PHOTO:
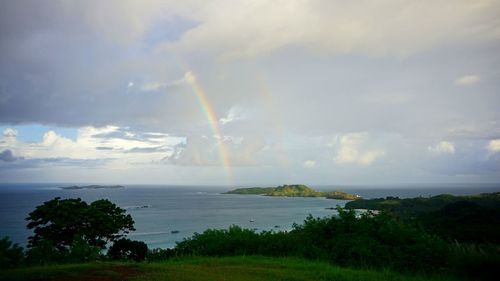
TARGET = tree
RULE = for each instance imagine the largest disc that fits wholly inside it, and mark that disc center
(128, 249)
(11, 255)
(62, 221)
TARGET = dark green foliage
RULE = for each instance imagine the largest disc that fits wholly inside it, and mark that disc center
(221, 242)
(470, 219)
(410, 207)
(476, 262)
(125, 249)
(11, 255)
(45, 252)
(370, 240)
(60, 221)
(70, 230)
(81, 251)
(464, 221)
(159, 254)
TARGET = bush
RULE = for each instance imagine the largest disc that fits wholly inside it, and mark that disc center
(369, 240)
(159, 254)
(45, 252)
(478, 262)
(128, 249)
(221, 242)
(11, 255)
(81, 251)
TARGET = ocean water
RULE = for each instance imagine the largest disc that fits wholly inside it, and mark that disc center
(190, 209)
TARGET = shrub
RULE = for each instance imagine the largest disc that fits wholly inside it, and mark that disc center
(11, 255)
(159, 254)
(128, 249)
(369, 240)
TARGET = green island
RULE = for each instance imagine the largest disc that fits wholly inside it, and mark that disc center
(294, 190)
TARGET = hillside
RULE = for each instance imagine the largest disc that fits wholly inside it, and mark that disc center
(295, 190)
(466, 219)
(408, 207)
(250, 268)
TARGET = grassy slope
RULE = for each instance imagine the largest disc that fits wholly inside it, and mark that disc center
(207, 269)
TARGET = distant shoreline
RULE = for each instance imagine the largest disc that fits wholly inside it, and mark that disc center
(76, 187)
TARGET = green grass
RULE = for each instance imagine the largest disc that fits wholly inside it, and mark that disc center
(208, 269)
(84, 271)
(262, 269)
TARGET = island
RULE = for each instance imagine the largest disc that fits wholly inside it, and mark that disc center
(74, 187)
(294, 190)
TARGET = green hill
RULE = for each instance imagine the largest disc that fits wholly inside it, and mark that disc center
(294, 190)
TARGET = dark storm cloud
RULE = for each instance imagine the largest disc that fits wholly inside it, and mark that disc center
(7, 156)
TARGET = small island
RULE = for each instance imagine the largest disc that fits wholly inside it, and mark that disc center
(295, 190)
(75, 187)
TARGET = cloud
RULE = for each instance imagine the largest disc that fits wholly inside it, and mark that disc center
(154, 86)
(494, 146)
(282, 77)
(351, 150)
(233, 114)
(208, 151)
(10, 133)
(467, 80)
(443, 147)
(115, 146)
(7, 156)
(309, 164)
(390, 28)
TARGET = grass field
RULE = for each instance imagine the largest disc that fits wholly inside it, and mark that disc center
(208, 269)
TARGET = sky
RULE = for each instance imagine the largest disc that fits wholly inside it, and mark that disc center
(235, 92)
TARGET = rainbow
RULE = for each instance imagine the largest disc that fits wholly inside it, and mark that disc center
(212, 120)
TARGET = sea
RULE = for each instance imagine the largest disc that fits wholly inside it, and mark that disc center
(166, 214)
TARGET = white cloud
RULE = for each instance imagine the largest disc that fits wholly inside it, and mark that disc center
(10, 133)
(494, 145)
(352, 149)
(467, 80)
(94, 143)
(443, 147)
(156, 85)
(233, 114)
(309, 164)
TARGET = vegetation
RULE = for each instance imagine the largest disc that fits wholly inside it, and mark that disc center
(72, 229)
(369, 241)
(244, 268)
(296, 190)
(11, 255)
(125, 249)
(470, 219)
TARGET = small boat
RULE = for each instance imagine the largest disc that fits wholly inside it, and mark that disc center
(252, 220)
(174, 231)
(276, 226)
